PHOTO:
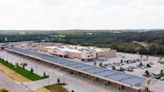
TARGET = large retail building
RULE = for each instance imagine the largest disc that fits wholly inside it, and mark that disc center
(80, 52)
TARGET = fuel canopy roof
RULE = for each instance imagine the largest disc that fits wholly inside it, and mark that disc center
(98, 71)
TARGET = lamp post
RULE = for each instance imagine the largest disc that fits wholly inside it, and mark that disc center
(35, 64)
(63, 79)
(48, 76)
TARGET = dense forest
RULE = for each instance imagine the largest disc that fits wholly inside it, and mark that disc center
(149, 42)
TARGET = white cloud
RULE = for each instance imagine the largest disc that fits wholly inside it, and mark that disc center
(81, 14)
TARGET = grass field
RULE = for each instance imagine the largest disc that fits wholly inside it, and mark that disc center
(21, 71)
(56, 88)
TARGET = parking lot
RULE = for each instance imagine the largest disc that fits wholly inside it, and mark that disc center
(137, 65)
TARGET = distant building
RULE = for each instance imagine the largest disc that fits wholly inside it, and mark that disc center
(69, 51)
(80, 52)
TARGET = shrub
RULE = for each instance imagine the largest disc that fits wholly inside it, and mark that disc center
(4, 90)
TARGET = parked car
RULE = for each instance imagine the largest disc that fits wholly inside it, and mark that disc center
(162, 78)
(151, 63)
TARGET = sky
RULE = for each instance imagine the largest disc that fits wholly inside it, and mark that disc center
(81, 14)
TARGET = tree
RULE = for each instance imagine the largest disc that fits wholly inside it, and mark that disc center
(32, 70)
(113, 68)
(148, 65)
(161, 72)
(24, 65)
(147, 73)
(44, 74)
(141, 64)
(121, 61)
(101, 64)
(95, 63)
(58, 81)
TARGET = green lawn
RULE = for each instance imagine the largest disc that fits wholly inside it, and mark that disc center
(56, 88)
(161, 75)
(22, 71)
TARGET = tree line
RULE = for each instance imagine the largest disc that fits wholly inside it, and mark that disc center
(121, 41)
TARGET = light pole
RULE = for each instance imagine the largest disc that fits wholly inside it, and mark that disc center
(63, 79)
(48, 76)
(20, 61)
(36, 67)
(35, 64)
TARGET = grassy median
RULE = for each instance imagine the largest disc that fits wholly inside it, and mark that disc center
(29, 75)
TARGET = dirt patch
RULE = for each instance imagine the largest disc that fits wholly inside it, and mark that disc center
(42, 90)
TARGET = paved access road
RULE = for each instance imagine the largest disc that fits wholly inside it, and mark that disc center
(11, 85)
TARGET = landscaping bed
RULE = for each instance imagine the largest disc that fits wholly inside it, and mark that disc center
(21, 71)
(56, 88)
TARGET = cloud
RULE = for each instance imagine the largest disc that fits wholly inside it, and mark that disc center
(81, 14)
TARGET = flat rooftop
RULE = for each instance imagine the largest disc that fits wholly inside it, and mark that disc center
(78, 49)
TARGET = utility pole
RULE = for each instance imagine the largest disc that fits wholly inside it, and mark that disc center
(36, 65)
